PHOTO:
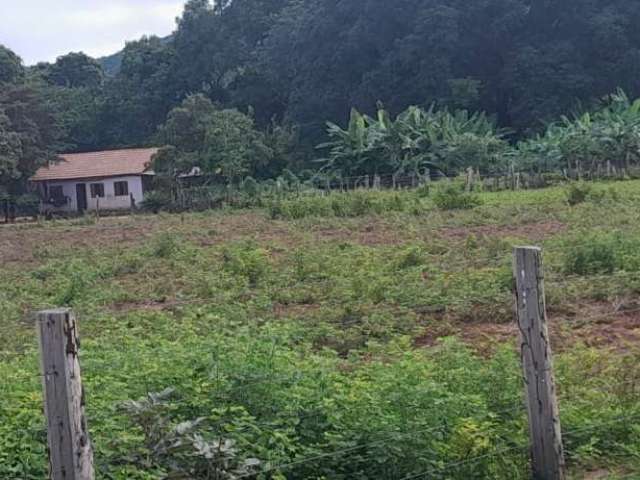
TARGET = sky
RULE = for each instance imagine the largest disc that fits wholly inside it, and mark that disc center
(42, 30)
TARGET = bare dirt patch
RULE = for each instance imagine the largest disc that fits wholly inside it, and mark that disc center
(599, 325)
(246, 225)
(25, 244)
(531, 231)
(369, 232)
(148, 305)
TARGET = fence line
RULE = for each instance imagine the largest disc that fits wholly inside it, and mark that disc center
(390, 436)
(453, 465)
(394, 436)
(12, 208)
(450, 466)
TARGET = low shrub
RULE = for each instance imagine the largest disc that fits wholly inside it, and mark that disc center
(602, 253)
(246, 260)
(165, 245)
(157, 201)
(578, 192)
(451, 196)
(593, 255)
(412, 256)
(357, 203)
(581, 192)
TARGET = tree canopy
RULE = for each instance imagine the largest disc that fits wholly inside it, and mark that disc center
(289, 66)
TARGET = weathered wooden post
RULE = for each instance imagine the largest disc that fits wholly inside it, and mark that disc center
(547, 456)
(470, 173)
(70, 451)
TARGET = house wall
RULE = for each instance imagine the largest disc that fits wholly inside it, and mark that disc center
(108, 202)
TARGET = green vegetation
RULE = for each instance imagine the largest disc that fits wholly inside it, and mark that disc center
(414, 142)
(295, 332)
(244, 88)
(354, 335)
(353, 204)
(451, 196)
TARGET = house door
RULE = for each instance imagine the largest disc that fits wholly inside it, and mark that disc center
(81, 196)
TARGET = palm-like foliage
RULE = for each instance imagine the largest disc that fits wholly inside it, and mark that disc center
(352, 150)
(418, 139)
(588, 143)
(415, 140)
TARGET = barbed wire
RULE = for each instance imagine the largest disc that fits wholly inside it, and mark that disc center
(631, 476)
(366, 323)
(394, 435)
(603, 316)
(594, 277)
(391, 436)
(591, 428)
(351, 449)
(453, 465)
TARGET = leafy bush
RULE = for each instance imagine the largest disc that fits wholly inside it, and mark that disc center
(411, 257)
(165, 245)
(186, 449)
(72, 289)
(356, 203)
(593, 255)
(578, 192)
(28, 205)
(451, 196)
(157, 201)
(247, 260)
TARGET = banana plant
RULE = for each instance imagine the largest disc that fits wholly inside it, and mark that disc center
(352, 150)
(416, 140)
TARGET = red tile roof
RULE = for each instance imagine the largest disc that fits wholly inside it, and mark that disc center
(98, 164)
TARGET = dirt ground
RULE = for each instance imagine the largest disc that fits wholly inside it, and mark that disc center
(598, 324)
(532, 231)
(24, 242)
(595, 324)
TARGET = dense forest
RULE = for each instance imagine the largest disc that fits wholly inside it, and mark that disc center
(246, 87)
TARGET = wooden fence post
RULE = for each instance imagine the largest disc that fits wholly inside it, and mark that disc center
(470, 173)
(547, 456)
(70, 451)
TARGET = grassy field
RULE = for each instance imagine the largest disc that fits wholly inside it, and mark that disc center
(359, 336)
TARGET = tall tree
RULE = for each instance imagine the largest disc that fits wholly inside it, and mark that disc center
(75, 70)
(137, 100)
(221, 142)
(11, 69)
(29, 135)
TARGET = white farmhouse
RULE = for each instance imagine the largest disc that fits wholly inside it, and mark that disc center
(109, 180)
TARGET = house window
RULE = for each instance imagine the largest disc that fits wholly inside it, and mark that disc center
(121, 189)
(97, 190)
(56, 193)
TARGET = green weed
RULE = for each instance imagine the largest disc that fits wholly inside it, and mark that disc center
(322, 332)
(246, 260)
(451, 196)
(165, 245)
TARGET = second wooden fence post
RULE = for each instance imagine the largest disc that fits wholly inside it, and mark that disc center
(70, 452)
(547, 456)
